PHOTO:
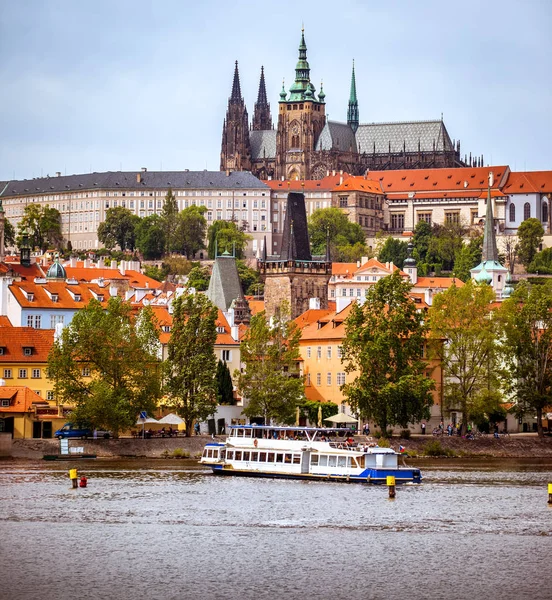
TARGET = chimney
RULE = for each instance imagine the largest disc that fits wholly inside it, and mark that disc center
(144, 169)
(112, 290)
(58, 173)
(314, 303)
(138, 177)
(86, 263)
(101, 263)
(235, 333)
(73, 262)
(341, 180)
(333, 173)
(113, 264)
(122, 267)
(227, 172)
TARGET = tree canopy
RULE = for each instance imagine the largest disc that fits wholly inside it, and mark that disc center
(118, 228)
(106, 365)
(150, 237)
(225, 387)
(333, 224)
(530, 234)
(463, 332)
(394, 251)
(270, 381)
(224, 236)
(191, 365)
(43, 226)
(169, 221)
(190, 232)
(383, 347)
(526, 319)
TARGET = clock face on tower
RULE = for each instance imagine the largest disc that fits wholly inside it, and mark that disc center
(295, 129)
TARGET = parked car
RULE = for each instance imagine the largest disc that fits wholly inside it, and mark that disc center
(71, 430)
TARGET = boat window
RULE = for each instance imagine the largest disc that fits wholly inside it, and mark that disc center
(255, 456)
(271, 457)
(248, 433)
(287, 458)
(332, 462)
(238, 455)
(323, 460)
(230, 454)
(262, 456)
(296, 459)
(279, 457)
(314, 460)
(246, 456)
(342, 461)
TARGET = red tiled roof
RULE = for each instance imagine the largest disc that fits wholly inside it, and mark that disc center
(41, 299)
(359, 184)
(15, 339)
(325, 184)
(5, 322)
(438, 282)
(529, 182)
(343, 268)
(135, 278)
(21, 399)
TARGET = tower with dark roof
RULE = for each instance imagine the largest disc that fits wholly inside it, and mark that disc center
(295, 276)
(352, 111)
(262, 119)
(235, 154)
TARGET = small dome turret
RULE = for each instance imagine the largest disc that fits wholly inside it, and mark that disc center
(410, 262)
(56, 271)
(508, 289)
(483, 276)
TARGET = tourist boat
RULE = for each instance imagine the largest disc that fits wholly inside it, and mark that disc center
(304, 453)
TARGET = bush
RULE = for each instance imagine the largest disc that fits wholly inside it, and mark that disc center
(405, 434)
(180, 453)
(434, 448)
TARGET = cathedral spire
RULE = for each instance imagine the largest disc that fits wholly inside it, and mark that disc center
(490, 251)
(302, 88)
(352, 112)
(262, 119)
(236, 90)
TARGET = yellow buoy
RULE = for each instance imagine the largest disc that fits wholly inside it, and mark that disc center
(73, 476)
(550, 493)
(391, 485)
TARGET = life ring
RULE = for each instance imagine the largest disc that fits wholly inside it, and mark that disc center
(255, 443)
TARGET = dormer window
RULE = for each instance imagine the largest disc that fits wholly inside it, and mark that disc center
(27, 351)
(55, 297)
(30, 296)
(5, 402)
(220, 329)
(100, 298)
(77, 297)
(2, 350)
(166, 328)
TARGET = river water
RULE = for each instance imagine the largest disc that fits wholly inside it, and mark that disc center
(169, 530)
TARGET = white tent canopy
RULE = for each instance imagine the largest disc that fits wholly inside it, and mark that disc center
(341, 418)
(171, 419)
(147, 421)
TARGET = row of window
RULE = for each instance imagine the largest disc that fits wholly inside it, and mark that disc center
(527, 212)
(340, 379)
(266, 457)
(36, 373)
(328, 351)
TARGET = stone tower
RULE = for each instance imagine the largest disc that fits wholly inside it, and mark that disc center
(294, 276)
(235, 154)
(301, 118)
(262, 119)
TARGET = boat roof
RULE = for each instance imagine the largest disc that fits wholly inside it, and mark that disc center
(290, 428)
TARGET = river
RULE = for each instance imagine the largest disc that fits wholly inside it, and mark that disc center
(169, 530)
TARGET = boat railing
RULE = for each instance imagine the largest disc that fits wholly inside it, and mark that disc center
(344, 445)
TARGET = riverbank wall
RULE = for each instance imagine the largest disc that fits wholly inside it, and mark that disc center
(514, 446)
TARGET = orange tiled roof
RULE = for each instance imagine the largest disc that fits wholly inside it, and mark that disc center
(325, 184)
(255, 306)
(11, 263)
(15, 339)
(21, 399)
(64, 291)
(529, 182)
(438, 282)
(359, 184)
(343, 268)
(5, 322)
(135, 278)
(311, 316)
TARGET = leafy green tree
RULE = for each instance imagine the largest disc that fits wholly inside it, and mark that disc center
(250, 278)
(446, 241)
(394, 251)
(150, 237)
(542, 262)
(169, 221)
(224, 236)
(176, 266)
(468, 257)
(526, 319)
(333, 224)
(383, 346)
(353, 253)
(198, 278)
(420, 240)
(190, 232)
(106, 365)
(313, 409)
(43, 225)
(270, 381)
(191, 365)
(9, 233)
(155, 272)
(463, 332)
(530, 234)
(225, 387)
(119, 228)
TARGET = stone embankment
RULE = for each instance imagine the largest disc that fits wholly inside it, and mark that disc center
(514, 446)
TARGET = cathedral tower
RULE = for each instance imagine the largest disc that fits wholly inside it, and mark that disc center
(235, 152)
(262, 119)
(301, 118)
(352, 112)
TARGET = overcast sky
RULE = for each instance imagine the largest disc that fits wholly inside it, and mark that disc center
(99, 85)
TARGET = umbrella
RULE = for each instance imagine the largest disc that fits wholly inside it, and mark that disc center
(146, 421)
(341, 418)
(171, 419)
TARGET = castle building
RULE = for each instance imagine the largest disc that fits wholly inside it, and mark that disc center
(306, 145)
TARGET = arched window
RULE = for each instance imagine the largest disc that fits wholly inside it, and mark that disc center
(545, 212)
(526, 211)
(512, 212)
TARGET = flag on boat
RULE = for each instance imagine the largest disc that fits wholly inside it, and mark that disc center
(401, 449)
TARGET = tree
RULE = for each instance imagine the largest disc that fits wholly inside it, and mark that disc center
(225, 387)
(43, 225)
(198, 278)
(420, 240)
(190, 232)
(9, 233)
(332, 224)
(394, 251)
(270, 381)
(106, 365)
(468, 257)
(169, 220)
(250, 279)
(530, 234)
(119, 228)
(225, 236)
(150, 237)
(463, 333)
(384, 345)
(446, 241)
(542, 262)
(526, 319)
(191, 365)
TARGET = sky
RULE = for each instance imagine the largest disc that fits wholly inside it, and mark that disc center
(109, 85)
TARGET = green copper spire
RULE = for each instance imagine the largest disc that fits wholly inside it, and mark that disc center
(283, 93)
(302, 88)
(490, 251)
(352, 112)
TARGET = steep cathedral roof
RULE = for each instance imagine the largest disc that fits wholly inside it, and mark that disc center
(337, 136)
(263, 144)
